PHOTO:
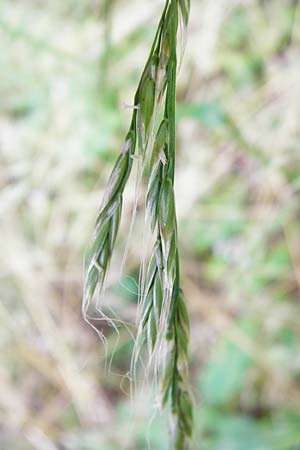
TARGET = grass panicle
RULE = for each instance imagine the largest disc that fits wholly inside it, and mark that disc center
(163, 322)
(148, 94)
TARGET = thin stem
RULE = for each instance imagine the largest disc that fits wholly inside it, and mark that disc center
(171, 94)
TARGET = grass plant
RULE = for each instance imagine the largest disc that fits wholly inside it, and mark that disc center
(163, 322)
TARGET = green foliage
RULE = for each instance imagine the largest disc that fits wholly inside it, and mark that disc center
(210, 114)
(224, 375)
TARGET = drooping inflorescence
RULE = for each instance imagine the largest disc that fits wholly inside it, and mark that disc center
(163, 322)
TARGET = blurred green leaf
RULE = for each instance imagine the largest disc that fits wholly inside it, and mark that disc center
(240, 433)
(224, 375)
(210, 114)
(127, 288)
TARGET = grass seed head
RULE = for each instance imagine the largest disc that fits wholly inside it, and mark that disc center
(163, 317)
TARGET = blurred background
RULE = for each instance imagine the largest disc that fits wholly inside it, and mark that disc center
(68, 70)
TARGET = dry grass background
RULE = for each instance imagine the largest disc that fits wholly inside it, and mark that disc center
(67, 70)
